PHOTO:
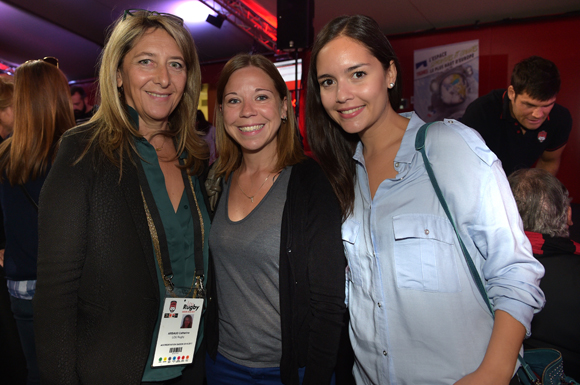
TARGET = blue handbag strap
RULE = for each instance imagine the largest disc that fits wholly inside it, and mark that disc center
(420, 146)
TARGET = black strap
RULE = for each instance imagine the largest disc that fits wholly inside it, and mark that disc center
(32, 202)
(167, 271)
(420, 146)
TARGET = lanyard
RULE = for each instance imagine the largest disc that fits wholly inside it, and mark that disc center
(159, 238)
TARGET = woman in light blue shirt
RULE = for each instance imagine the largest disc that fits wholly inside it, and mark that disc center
(416, 315)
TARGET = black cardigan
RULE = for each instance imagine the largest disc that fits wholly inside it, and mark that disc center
(312, 282)
(97, 295)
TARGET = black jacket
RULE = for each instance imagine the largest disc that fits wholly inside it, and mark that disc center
(556, 326)
(97, 296)
(312, 282)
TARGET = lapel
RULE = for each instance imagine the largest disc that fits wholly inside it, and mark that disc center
(130, 187)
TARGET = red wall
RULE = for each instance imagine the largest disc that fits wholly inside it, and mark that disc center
(501, 47)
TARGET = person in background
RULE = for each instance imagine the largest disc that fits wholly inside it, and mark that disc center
(416, 316)
(83, 110)
(12, 361)
(208, 134)
(6, 126)
(524, 124)
(544, 205)
(6, 110)
(123, 222)
(278, 302)
(42, 113)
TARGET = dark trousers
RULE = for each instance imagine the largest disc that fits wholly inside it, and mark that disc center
(12, 361)
(22, 310)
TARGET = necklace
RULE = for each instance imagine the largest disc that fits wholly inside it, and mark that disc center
(252, 197)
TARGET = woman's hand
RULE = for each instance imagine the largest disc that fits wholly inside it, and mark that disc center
(502, 352)
(480, 378)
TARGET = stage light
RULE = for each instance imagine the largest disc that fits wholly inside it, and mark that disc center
(192, 12)
(216, 21)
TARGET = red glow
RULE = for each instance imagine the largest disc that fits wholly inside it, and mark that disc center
(262, 12)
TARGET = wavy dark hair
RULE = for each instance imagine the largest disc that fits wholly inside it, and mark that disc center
(536, 76)
(331, 145)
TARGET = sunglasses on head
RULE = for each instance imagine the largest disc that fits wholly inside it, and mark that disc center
(47, 59)
(131, 12)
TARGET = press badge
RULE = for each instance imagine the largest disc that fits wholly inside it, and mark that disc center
(178, 331)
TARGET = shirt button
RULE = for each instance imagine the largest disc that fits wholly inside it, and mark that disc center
(186, 207)
(396, 164)
(379, 304)
(384, 353)
(426, 231)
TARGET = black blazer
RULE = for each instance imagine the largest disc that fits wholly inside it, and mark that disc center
(97, 294)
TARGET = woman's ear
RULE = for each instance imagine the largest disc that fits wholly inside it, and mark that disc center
(284, 111)
(119, 78)
(392, 73)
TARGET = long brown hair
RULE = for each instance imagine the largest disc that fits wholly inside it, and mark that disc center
(331, 145)
(42, 113)
(113, 130)
(288, 150)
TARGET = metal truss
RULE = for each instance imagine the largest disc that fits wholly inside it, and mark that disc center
(246, 19)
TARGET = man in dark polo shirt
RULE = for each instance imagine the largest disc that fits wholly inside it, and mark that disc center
(523, 124)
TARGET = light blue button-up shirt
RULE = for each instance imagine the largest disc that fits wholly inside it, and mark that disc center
(416, 316)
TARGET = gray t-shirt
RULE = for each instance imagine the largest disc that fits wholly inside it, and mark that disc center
(246, 256)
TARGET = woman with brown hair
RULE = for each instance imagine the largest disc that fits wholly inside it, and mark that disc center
(416, 315)
(123, 222)
(277, 308)
(42, 113)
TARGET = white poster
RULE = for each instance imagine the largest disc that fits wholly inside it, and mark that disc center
(446, 80)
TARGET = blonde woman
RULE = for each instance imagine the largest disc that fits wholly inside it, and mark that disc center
(123, 222)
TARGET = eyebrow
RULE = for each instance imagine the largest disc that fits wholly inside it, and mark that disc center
(349, 69)
(256, 90)
(151, 54)
(537, 105)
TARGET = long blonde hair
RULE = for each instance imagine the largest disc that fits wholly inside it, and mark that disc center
(113, 130)
(289, 150)
(42, 113)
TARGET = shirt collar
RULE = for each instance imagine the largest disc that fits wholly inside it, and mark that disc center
(506, 113)
(133, 117)
(407, 150)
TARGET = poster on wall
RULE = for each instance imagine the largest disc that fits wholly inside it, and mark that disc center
(446, 80)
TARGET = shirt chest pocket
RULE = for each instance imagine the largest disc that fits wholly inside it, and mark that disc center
(425, 255)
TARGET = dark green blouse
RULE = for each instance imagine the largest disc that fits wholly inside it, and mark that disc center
(180, 241)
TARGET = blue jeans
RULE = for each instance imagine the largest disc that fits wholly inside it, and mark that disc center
(225, 372)
(22, 310)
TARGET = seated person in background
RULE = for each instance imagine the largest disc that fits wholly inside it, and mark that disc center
(544, 206)
(523, 124)
(83, 110)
